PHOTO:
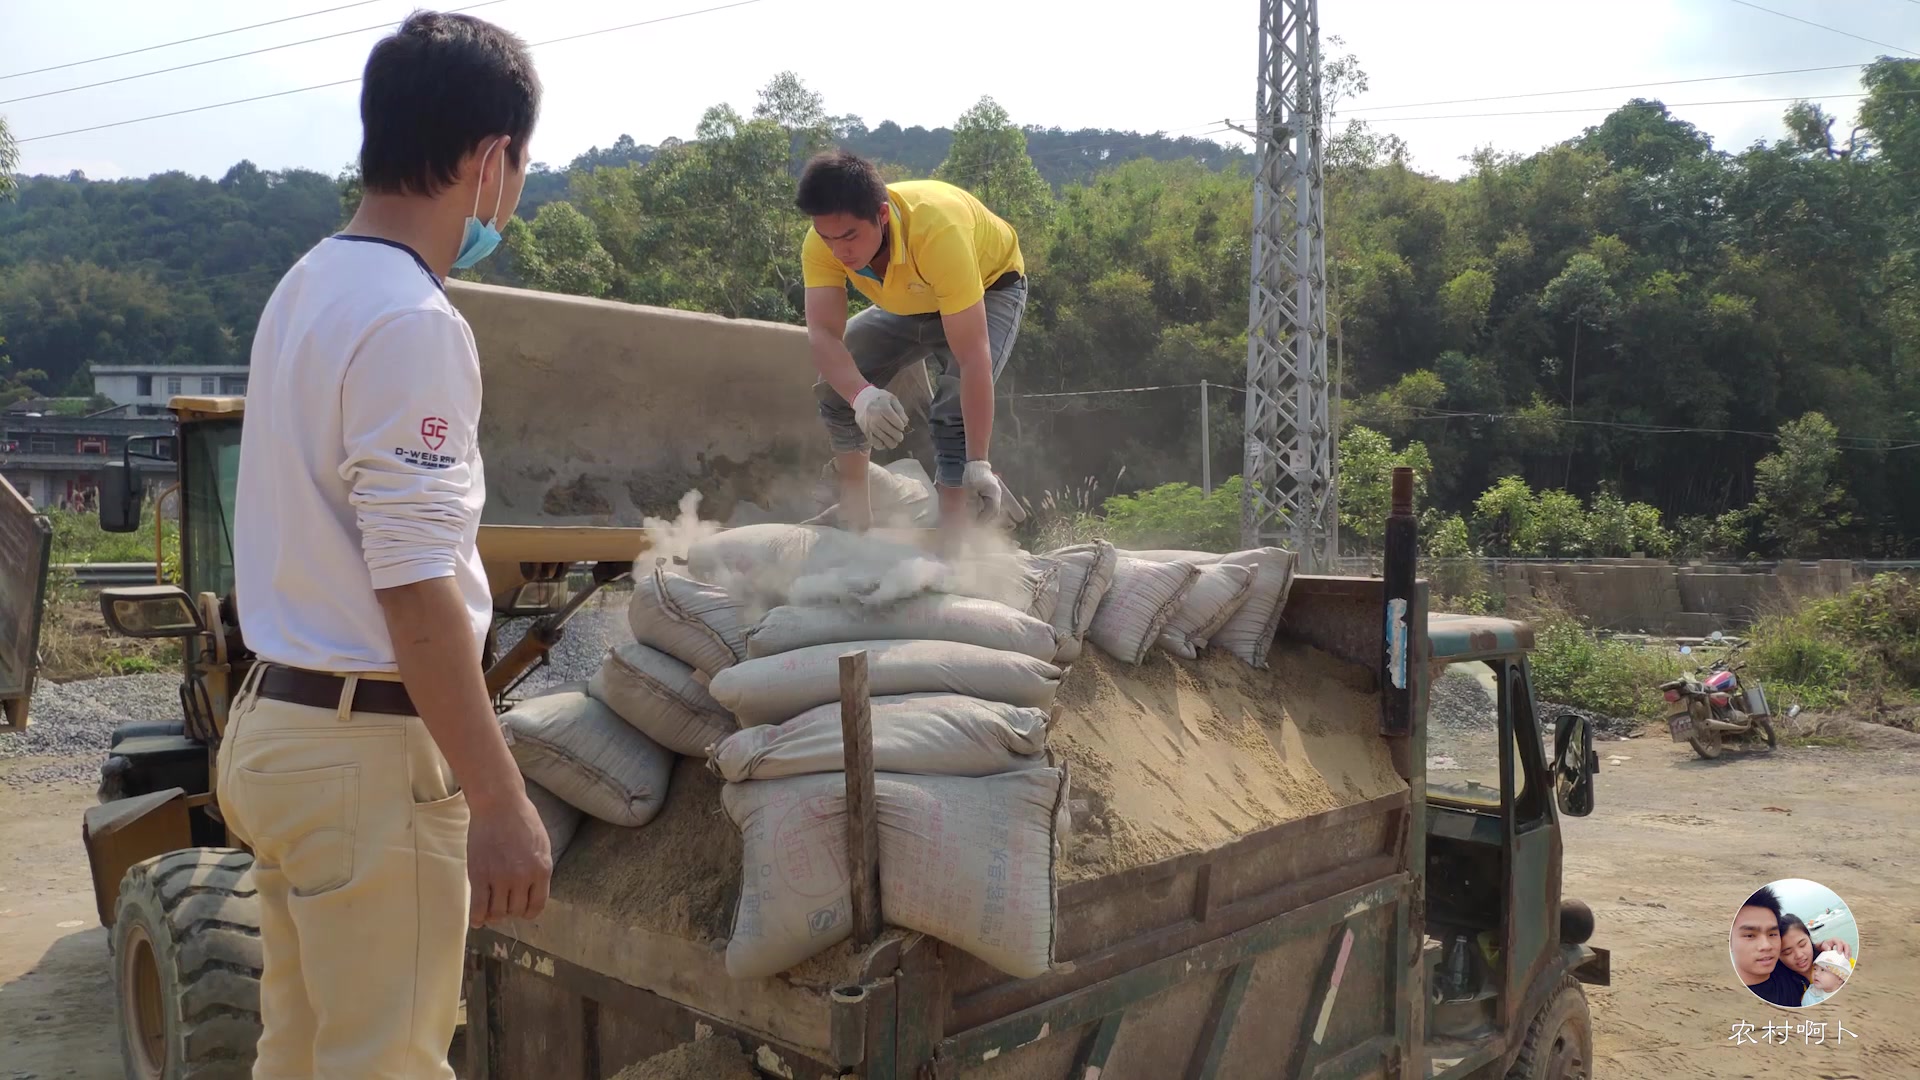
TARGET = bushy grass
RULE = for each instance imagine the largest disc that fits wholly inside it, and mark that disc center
(78, 538)
(1859, 648)
(1614, 677)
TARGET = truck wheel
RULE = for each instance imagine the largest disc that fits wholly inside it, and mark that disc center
(1559, 1044)
(186, 966)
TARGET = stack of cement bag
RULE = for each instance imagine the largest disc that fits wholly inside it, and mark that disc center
(971, 809)
(606, 747)
(1233, 601)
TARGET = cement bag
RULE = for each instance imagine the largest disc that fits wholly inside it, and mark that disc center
(938, 734)
(772, 689)
(968, 860)
(1086, 573)
(1029, 583)
(660, 696)
(1141, 602)
(1248, 633)
(560, 819)
(933, 617)
(1216, 594)
(695, 623)
(899, 496)
(582, 751)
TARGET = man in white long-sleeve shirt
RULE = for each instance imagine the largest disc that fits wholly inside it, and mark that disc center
(362, 761)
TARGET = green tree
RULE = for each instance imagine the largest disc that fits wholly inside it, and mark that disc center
(1798, 500)
(1367, 461)
(560, 252)
(1504, 517)
(989, 158)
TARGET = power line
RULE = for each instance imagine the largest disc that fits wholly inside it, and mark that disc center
(229, 56)
(356, 78)
(1603, 89)
(1850, 442)
(202, 37)
(1823, 26)
(1611, 108)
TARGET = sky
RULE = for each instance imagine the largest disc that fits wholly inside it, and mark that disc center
(1799, 896)
(1066, 63)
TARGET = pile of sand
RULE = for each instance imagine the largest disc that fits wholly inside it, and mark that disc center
(1168, 757)
(1175, 756)
(717, 1057)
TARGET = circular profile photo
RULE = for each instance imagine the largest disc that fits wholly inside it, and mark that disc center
(1794, 943)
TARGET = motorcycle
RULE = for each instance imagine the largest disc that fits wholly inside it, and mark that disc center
(1718, 707)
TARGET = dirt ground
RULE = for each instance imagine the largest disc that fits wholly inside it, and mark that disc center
(1673, 845)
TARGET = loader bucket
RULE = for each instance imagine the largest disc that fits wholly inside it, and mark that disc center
(603, 413)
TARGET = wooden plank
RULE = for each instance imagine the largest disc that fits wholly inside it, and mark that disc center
(1093, 1057)
(477, 1048)
(1319, 1012)
(863, 821)
(1218, 1026)
(1375, 1057)
(1005, 998)
(1291, 832)
(640, 1013)
(686, 972)
(1089, 1003)
(920, 1007)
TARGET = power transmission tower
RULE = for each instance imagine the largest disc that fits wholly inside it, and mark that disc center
(1288, 496)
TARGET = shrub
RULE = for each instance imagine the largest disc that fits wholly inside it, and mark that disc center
(1572, 666)
(1177, 516)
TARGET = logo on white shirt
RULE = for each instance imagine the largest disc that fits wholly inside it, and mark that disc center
(433, 432)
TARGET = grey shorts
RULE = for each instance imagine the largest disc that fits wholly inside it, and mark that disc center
(883, 344)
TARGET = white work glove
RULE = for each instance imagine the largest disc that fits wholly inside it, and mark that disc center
(881, 416)
(982, 484)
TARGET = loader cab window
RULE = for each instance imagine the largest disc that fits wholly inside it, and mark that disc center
(1464, 703)
(210, 452)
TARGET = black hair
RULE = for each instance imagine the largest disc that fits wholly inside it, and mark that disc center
(841, 182)
(1765, 898)
(1791, 922)
(433, 91)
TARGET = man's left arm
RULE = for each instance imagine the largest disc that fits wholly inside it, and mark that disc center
(973, 355)
(952, 267)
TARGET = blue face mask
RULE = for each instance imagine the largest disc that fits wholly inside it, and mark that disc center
(480, 239)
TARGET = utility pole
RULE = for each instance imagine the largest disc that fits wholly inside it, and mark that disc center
(1288, 496)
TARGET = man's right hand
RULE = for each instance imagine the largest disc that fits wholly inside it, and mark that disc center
(509, 860)
(881, 416)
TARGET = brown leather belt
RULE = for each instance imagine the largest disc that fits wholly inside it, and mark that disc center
(322, 690)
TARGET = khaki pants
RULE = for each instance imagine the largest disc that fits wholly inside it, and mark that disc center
(359, 835)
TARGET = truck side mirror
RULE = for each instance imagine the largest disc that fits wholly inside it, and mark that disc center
(119, 500)
(1575, 764)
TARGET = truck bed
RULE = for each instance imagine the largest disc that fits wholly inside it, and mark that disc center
(1158, 952)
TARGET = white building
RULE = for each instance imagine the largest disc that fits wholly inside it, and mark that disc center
(156, 384)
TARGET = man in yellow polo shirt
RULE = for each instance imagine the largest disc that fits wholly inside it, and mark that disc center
(947, 283)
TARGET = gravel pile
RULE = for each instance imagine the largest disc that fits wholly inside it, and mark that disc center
(596, 628)
(74, 723)
(1457, 700)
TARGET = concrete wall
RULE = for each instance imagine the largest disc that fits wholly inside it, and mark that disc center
(1659, 597)
(598, 413)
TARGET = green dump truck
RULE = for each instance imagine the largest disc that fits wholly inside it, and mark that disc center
(1419, 932)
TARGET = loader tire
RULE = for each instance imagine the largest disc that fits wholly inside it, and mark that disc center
(186, 966)
(1559, 1043)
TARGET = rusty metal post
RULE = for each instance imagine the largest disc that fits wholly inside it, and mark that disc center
(863, 824)
(1396, 682)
